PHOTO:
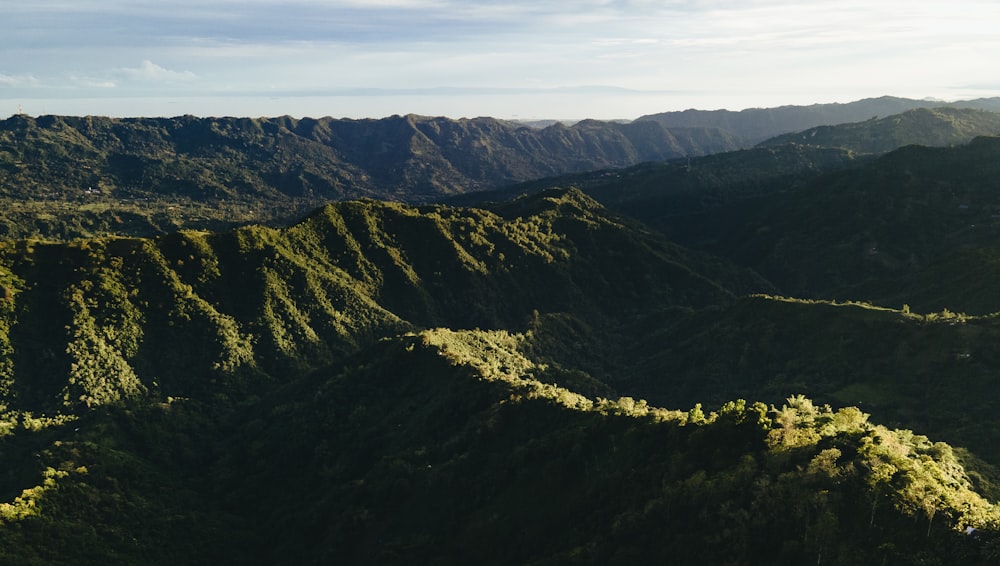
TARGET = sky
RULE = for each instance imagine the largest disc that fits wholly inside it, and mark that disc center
(537, 59)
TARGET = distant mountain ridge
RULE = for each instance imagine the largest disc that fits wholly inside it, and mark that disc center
(71, 177)
(918, 225)
(931, 127)
(755, 125)
(410, 158)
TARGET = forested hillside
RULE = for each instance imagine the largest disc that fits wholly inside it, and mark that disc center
(754, 125)
(63, 176)
(778, 355)
(263, 300)
(307, 395)
(917, 226)
(67, 177)
(923, 126)
(442, 447)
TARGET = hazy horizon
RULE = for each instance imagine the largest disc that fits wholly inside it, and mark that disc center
(538, 108)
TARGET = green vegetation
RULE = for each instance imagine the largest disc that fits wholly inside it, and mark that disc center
(442, 446)
(917, 226)
(923, 126)
(537, 380)
(758, 124)
(65, 177)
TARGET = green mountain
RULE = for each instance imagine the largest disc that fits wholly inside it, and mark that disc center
(931, 371)
(654, 192)
(443, 447)
(535, 380)
(755, 125)
(921, 126)
(466, 452)
(917, 226)
(268, 396)
(685, 199)
(800, 230)
(85, 322)
(64, 177)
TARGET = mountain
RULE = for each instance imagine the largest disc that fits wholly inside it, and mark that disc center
(672, 197)
(889, 238)
(755, 125)
(386, 383)
(538, 379)
(921, 126)
(146, 176)
(65, 177)
(85, 321)
(465, 452)
(652, 191)
(927, 371)
(441, 446)
(916, 226)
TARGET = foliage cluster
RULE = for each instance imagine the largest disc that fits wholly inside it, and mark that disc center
(442, 447)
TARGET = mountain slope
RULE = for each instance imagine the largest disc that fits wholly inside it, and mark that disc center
(758, 124)
(84, 323)
(460, 460)
(296, 396)
(916, 226)
(923, 126)
(656, 193)
(443, 447)
(918, 370)
(410, 158)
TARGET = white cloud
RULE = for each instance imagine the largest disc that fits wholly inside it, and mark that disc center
(18, 80)
(151, 72)
(759, 51)
(97, 83)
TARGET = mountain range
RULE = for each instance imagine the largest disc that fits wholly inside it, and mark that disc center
(916, 226)
(922, 126)
(782, 354)
(294, 396)
(412, 158)
(755, 125)
(66, 177)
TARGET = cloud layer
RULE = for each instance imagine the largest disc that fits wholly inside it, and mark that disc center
(727, 52)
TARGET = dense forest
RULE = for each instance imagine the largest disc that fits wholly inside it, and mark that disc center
(783, 354)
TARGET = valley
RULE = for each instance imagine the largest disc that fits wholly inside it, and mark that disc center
(416, 340)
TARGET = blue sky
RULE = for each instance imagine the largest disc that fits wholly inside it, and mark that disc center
(534, 59)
